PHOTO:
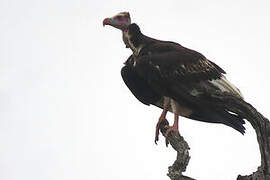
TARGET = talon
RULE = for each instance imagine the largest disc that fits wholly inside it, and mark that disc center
(172, 128)
(157, 134)
(158, 128)
(161, 119)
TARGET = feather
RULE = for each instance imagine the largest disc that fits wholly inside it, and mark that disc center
(186, 77)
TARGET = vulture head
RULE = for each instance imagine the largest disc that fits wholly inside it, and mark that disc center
(120, 21)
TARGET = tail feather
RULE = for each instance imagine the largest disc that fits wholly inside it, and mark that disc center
(232, 120)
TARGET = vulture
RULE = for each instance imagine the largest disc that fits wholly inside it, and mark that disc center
(174, 78)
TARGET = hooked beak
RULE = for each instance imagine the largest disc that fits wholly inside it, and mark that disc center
(114, 23)
(111, 22)
(107, 21)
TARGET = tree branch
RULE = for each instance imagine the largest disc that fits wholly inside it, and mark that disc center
(262, 129)
(243, 109)
(182, 159)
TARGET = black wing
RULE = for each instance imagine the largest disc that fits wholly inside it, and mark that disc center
(186, 76)
(137, 85)
(178, 62)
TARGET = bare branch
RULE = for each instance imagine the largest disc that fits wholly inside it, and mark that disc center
(245, 110)
(182, 159)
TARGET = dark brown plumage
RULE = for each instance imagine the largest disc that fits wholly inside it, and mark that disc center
(174, 78)
(167, 69)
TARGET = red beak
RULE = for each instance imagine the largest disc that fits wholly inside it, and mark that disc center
(107, 21)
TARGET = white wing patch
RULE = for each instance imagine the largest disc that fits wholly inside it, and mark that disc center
(194, 92)
(157, 67)
(225, 86)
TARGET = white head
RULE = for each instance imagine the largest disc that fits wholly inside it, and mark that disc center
(120, 21)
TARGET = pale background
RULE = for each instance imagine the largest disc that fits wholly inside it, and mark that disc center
(65, 113)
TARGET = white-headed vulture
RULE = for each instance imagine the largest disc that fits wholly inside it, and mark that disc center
(174, 78)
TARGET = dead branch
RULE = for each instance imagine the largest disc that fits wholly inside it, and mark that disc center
(245, 110)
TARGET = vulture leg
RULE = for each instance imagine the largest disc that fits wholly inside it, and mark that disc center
(172, 128)
(162, 117)
(176, 111)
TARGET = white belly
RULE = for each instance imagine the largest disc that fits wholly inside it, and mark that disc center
(175, 107)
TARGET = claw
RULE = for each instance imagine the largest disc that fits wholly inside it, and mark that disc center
(157, 134)
(169, 130)
(158, 128)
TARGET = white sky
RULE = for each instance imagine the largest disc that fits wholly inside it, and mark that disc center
(65, 113)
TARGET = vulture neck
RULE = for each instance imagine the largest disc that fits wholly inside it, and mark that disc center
(134, 39)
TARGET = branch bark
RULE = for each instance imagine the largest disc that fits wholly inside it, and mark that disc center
(245, 110)
(182, 159)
